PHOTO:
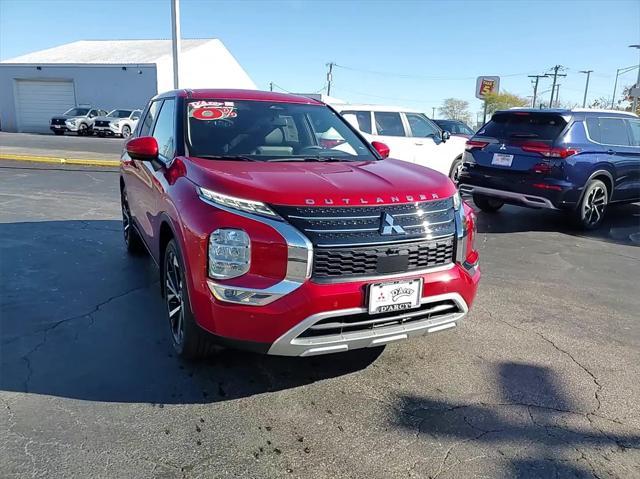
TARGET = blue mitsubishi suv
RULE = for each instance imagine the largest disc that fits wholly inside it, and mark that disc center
(577, 160)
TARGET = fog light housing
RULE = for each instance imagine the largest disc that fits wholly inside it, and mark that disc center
(229, 253)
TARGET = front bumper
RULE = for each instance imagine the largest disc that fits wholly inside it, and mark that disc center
(58, 128)
(279, 327)
(108, 130)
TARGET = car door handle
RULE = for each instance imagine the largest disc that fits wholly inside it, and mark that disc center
(611, 152)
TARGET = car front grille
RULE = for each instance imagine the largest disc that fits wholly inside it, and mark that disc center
(335, 226)
(364, 322)
(102, 123)
(383, 259)
(57, 121)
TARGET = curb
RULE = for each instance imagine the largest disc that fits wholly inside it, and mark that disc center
(59, 161)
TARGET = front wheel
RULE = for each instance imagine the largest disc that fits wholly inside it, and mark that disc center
(82, 129)
(590, 211)
(126, 131)
(487, 204)
(188, 340)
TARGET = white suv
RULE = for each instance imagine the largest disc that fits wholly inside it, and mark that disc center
(409, 134)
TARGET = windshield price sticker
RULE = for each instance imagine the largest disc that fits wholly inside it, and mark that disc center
(210, 110)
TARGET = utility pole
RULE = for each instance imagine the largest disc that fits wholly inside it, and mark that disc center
(535, 87)
(175, 41)
(557, 94)
(270, 86)
(634, 105)
(329, 78)
(433, 112)
(555, 69)
(586, 87)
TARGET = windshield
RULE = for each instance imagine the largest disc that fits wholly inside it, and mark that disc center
(265, 131)
(77, 112)
(544, 127)
(119, 114)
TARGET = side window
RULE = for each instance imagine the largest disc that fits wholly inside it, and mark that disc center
(389, 123)
(608, 131)
(163, 132)
(135, 115)
(360, 119)
(93, 113)
(420, 126)
(634, 126)
(613, 131)
(145, 130)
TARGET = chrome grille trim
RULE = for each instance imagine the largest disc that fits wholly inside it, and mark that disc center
(343, 226)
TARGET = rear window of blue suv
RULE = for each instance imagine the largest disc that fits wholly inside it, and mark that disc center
(519, 126)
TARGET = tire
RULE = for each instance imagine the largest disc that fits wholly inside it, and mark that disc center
(101, 134)
(58, 132)
(456, 169)
(82, 129)
(592, 207)
(126, 131)
(189, 341)
(487, 204)
(132, 239)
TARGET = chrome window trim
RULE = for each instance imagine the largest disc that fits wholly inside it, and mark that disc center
(289, 345)
(299, 262)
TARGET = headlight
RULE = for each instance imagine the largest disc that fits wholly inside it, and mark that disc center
(457, 201)
(249, 206)
(229, 253)
(71, 122)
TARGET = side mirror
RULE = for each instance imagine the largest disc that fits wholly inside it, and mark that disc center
(382, 149)
(445, 135)
(144, 148)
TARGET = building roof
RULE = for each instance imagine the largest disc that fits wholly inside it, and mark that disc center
(107, 52)
(235, 94)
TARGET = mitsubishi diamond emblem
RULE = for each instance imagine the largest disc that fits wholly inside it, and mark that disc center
(503, 147)
(388, 225)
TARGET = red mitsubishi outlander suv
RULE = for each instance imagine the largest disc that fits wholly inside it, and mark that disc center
(278, 228)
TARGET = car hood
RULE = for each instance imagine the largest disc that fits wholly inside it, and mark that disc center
(106, 118)
(336, 183)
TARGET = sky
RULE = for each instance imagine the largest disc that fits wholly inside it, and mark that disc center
(407, 53)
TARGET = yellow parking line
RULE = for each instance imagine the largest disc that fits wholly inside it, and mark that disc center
(59, 161)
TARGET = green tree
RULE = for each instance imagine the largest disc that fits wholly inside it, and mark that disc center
(503, 101)
(454, 109)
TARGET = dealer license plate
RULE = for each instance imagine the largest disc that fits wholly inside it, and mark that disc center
(501, 159)
(395, 296)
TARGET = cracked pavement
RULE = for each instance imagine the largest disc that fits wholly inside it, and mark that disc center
(541, 380)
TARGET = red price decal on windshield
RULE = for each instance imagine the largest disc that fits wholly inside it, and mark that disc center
(213, 112)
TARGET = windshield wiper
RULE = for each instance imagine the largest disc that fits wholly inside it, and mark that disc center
(227, 157)
(313, 158)
(524, 135)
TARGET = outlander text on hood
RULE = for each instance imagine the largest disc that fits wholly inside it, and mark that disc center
(278, 228)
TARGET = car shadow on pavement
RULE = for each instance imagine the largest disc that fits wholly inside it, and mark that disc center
(621, 224)
(82, 319)
(535, 430)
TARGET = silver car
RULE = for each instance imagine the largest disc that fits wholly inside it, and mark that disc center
(78, 119)
(117, 122)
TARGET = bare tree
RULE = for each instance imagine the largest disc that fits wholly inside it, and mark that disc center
(454, 109)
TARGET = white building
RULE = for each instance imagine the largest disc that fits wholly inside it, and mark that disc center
(107, 74)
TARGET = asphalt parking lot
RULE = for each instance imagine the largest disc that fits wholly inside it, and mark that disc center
(540, 381)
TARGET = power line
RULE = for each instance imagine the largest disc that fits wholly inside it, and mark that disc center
(421, 77)
(535, 87)
(389, 97)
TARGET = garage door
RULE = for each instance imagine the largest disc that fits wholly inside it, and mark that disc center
(38, 101)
